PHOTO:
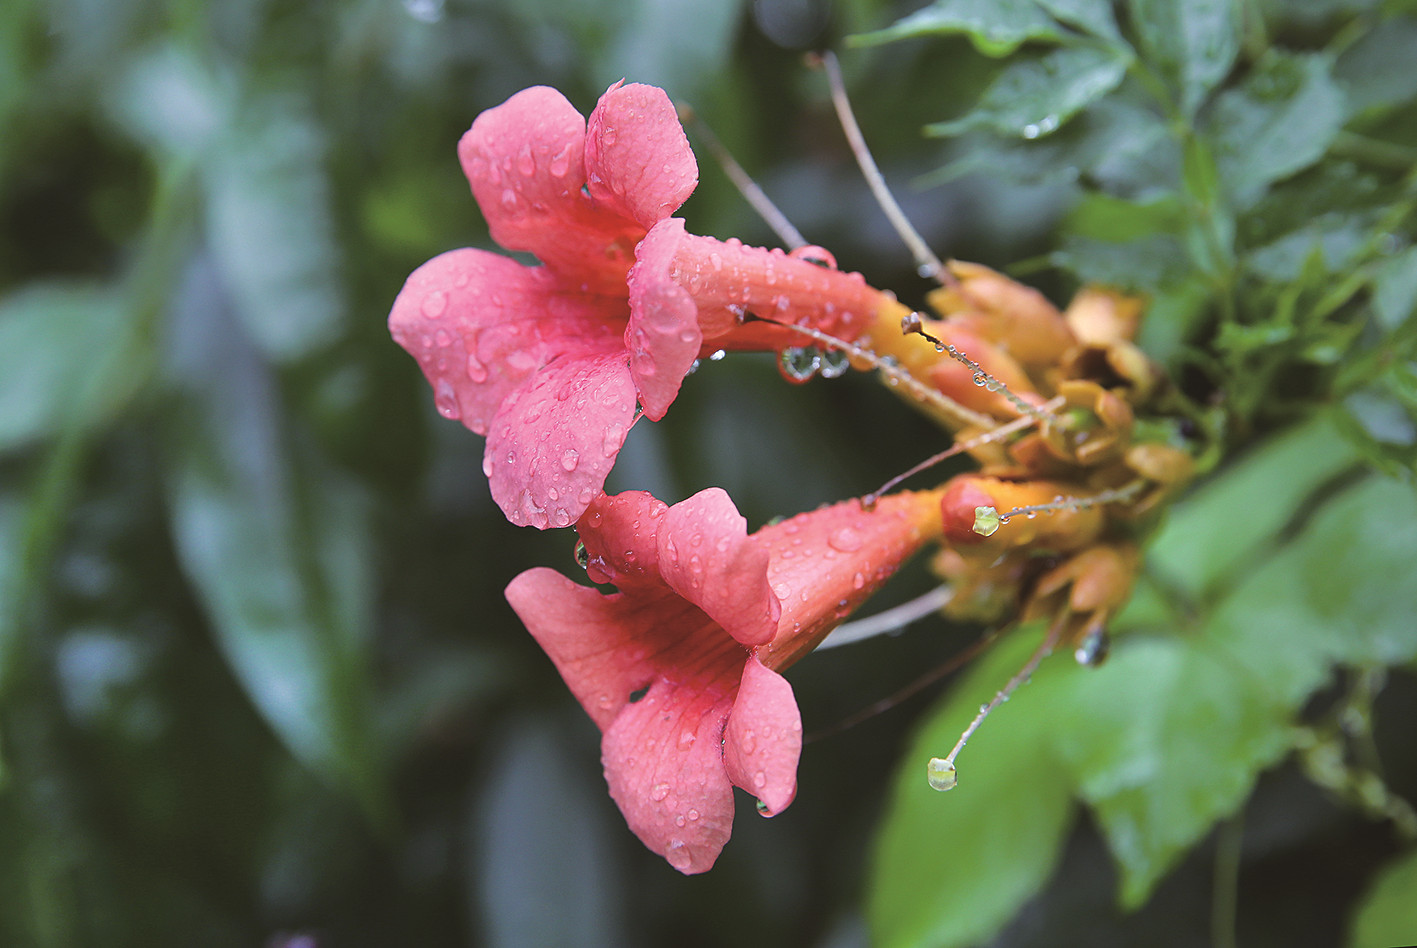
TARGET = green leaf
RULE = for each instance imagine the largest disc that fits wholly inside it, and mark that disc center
(681, 45)
(1102, 217)
(995, 27)
(271, 227)
(1148, 263)
(1395, 290)
(53, 339)
(275, 544)
(1376, 71)
(1333, 240)
(1387, 912)
(1194, 43)
(1205, 541)
(1280, 120)
(1036, 96)
(1163, 740)
(952, 868)
(1090, 16)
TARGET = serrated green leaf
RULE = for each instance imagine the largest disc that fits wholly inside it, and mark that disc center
(271, 227)
(1376, 71)
(1036, 96)
(952, 868)
(995, 27)
(1395, 290)
(53, 338)
(1387, 912)
(276, 547)
(1203, 542)
(1279, 121)
(1194, 44)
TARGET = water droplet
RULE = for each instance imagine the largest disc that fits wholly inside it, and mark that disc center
(509, 199)
(749, 742)
(570, 459)
(858, 581)
(582, 554)
(614, 437)
(677, 853)
(679, 820)
(1031, 131)
(693, 815)
(799, 363)
(835, 362)
(763, 809)
(814, 254)
(435, 304)
(561, 163)
(717, 355)
(979, 379)
(847, 539)
(941, 774)
(687, 738)
(445, 398)
(475, 369)
(760, 780)
(659, 792)
(986, 521)
(1094, 648)
(561, 518)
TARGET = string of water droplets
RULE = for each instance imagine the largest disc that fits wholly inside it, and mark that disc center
(987, 520)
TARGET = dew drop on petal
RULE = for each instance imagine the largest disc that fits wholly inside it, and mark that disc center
(659, 792)
(570, 459)
(799, 363)
(677, 853)
(760, 779)
(979, 379)
(475, 369)
(445, 398)
(435, 304)
(846, 539)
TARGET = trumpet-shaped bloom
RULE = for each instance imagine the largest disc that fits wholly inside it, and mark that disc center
(554, 362)
(679, 668)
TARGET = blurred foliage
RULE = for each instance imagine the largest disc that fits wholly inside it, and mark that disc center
(257, 678)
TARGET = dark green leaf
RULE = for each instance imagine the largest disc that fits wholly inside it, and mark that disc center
(54, 338)
(1163, 740)
(1395, 290)
(1203, 543)
(1091, 16)
(951, 868)
(995, 27)
(1194, 44)
(276, 545)
(1376, 71)
(1281, 120)
(1387, 913)
(271, 227)
(1334, 240)
(1034, 97)
(1145, 264)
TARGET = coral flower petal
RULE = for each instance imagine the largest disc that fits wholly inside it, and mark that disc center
(707, 557)
(637, 158)
(664, 766)
(663, 334)
(620, 534)
(763, 739)
(555, 439)
(591, 638)
(525, 160)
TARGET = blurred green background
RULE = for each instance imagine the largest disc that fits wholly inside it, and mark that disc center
(258, 683)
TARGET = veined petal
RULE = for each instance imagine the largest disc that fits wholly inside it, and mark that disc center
(825, 563)
(554, 439)
(762, 741)
(707, 557)
(480, 324)
(664, 765)
(637, 157)
(621, 537)
(525, 160)
(663, 333)
(597, 642)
